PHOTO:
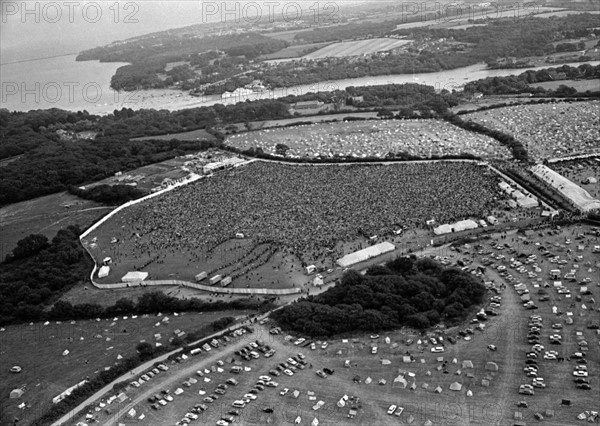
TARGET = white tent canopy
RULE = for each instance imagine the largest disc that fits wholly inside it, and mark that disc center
(365, 254)
(104, 271)
(134, 276)
(455, 227)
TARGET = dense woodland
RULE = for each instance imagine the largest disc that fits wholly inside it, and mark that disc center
(405, 292)
(38, 271)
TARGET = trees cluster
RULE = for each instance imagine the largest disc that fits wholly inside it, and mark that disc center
(53, 166)
(522, 83)
(108, 194)
(405, 292)
(149, 303)
(37, 271)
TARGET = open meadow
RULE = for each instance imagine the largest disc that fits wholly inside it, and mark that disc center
(45, 215)
(288, 211)
(373, 138)
(473, 378)
(93, 347)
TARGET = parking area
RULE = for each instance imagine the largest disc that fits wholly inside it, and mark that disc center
(529, 354)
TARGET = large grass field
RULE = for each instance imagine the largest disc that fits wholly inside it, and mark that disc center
(93, 346)
(288, 215)
(489, 405)
(424, 138)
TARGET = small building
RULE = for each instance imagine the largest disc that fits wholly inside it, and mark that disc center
(199, 277)
(226, 281)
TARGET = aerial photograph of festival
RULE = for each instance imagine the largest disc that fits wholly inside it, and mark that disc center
(347, 212)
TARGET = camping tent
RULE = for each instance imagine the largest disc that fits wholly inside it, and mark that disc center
(467, 364)
(455, 386)
(16, 393)
(400, 379)
(491, 366)
(104, 271)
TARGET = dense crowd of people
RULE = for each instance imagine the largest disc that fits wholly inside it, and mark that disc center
(548, 130)
(304, 209)
(423, 138)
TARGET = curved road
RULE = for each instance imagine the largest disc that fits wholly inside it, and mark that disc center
(74, 413)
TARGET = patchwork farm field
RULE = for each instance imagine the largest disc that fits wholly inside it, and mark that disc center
(356, 48)
(92, 345)
(403, 370)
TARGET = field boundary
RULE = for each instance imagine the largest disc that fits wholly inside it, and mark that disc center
(242, 291)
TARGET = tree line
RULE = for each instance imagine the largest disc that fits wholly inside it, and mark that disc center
(407, 291)
(108, 194)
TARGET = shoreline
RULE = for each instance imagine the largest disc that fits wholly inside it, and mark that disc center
(174, 100)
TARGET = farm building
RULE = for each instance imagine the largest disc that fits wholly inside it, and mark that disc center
(134, 276)
(365, 254)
